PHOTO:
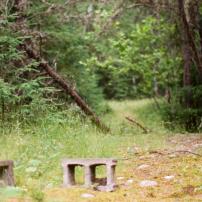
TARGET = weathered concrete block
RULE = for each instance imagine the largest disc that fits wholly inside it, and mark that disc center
(89, 172)
(6, 173)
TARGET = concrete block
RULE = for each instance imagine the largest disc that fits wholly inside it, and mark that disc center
(89, 166)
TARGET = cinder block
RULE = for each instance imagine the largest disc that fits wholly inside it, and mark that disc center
(6, 173)
(89, 172)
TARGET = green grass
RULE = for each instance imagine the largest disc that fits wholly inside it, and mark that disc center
(146, 113)
(37, 149)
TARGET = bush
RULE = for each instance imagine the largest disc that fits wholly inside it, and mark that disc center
(183, 113)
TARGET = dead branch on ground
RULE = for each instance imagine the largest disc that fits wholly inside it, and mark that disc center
(137, 124)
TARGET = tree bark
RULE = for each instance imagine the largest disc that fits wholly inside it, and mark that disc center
(200, 31)
(187, 83)
(187, 57)
(199, 26)
(187, 54)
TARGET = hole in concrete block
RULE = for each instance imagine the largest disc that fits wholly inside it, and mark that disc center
(3, 176)
(101, 173)
(79, 175)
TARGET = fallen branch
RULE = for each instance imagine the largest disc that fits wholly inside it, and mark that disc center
(137, 123)
(164, 154)
(184, 151)
(173, 152)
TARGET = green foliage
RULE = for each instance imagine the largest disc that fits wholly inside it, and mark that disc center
(65, 46)
(138, 59)
(187, 114)
(37, 195)
(21, 96)
(6, 92)
(70, 65)
(24, 95)
(8, 49)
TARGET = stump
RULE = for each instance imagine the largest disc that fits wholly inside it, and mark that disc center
(89, 166)
(6, 173)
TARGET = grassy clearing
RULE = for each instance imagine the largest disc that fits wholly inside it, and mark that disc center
(37, 150)
(145, 112)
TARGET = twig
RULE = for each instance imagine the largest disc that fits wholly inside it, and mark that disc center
(184, 151)
(178, 151)
(138, 124)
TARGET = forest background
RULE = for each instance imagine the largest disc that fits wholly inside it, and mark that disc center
(106, 50)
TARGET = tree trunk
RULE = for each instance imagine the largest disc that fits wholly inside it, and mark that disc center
(188, 13)
(189, 34)
(187, 56)
(199, 27)
(187, 84)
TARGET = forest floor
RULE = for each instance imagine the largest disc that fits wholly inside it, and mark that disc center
(170, 162)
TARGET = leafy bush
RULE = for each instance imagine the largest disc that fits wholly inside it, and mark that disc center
(182, 115)
(138, 63)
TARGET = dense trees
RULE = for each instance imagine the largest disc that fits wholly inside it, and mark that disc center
(190, 26)
(112, 49)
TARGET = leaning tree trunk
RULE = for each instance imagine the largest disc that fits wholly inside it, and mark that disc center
(66, 86)
(30, 48)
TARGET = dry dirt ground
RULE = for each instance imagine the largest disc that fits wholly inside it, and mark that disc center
(176, 170)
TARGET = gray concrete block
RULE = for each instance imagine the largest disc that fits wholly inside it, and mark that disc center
(89, 166)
